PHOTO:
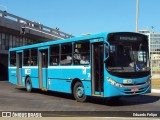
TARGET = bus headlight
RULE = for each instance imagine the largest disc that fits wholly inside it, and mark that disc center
(149, 81)
(112, 82)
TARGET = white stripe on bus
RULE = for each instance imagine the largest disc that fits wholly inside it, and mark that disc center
(56, 67)
(68, 67)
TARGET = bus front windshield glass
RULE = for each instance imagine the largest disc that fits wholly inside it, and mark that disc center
(128, 58)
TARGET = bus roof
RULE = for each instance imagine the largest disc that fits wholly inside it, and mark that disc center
(61, 41)
(83, 37)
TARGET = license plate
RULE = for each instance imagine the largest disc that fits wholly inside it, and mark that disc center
(134, 89)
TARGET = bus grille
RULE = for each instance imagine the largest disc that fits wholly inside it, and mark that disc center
(129, 91)
(134, 84)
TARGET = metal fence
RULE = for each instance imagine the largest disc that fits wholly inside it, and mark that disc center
(35, 25)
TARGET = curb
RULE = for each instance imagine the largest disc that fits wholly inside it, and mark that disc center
(155, 91)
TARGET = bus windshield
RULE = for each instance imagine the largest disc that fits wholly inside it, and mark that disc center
(128, 58)
(127, 52)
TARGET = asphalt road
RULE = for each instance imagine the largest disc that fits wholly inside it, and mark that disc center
(14, 98)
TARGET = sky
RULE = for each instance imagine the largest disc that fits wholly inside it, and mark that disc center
(79, 17)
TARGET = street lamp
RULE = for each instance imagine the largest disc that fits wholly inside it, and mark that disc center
(137, 15)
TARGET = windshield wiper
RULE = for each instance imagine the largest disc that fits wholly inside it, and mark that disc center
(121, 69)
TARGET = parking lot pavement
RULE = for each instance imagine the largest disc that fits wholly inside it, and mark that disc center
(14, 98)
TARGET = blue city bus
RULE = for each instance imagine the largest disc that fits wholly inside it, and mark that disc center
(104, 65)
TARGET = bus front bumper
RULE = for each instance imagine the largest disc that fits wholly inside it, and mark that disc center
(111, 90)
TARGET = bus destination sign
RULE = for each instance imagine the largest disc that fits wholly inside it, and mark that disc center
(128, 38)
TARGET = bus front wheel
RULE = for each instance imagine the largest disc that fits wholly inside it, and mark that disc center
(28, 85)
(79, 93)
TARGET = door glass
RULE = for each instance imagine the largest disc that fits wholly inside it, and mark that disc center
(44, 59)
(97, 67)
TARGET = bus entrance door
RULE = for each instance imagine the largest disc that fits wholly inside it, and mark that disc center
(97, 68)
(43, 68)
(19, 68)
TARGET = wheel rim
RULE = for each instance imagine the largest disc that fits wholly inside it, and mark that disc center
(28, 86)
(80, 92)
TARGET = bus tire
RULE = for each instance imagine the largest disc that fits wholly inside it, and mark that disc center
(28, 85)
(78, 92)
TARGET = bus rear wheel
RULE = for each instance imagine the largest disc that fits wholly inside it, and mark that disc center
(78, 92)
(28, 85)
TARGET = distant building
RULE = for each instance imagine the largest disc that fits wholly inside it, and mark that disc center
(16, 31)
(154, 49)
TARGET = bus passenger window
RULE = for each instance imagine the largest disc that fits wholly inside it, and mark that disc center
(12, 59)
(54, 55)
(81, 53)
(33, 60)
(26, 58)
(66, 54)
(84, 60)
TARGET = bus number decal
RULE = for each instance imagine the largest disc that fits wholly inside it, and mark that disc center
(127, 81)
(89, 75)
(27, 71)
(84, 70)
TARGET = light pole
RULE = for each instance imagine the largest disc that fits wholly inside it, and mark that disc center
(137, 15)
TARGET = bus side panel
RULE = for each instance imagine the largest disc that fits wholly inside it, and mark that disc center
(13, 76)
(44, 77)
(33, 74)
(35, 82)
(59, 85)
(23, 80)
(57, 82)
(87, 87)
(60, 79)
